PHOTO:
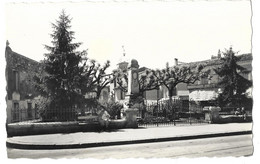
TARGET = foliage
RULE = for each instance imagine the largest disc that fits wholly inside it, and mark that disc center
(113, 108)
(232, 83)
(42, 104)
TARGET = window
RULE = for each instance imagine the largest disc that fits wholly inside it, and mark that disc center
(16, 80)
(35, 110)
(122, 97)
(15, 112)
(29, 110)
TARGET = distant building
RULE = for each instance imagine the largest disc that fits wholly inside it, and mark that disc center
(205, 91)
(21, 96)
(116, 92)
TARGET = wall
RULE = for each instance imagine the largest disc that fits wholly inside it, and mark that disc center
(20, 69)
(22, 113)
(152, 95)
(19, 76)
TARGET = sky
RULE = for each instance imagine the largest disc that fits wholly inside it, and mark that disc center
(153, 32)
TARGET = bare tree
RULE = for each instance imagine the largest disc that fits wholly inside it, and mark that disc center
(170, 77)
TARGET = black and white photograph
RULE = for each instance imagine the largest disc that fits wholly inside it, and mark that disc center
(141, 79)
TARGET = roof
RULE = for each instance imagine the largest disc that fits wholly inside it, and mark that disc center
(217, 61)
(18, 61)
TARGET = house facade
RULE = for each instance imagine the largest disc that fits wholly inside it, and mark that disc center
(21, 96)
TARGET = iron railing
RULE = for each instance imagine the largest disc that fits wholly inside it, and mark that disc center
(20, 115)
(166, 113)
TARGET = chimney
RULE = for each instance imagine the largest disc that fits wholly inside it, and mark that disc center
(175, 61)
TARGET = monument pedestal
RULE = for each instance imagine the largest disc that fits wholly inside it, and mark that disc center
(131, 121)
(133, 90)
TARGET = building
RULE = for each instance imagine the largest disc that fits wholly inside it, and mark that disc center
(21, 96)
(207, 89)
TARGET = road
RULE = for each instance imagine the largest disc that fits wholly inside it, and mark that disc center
(208, 147)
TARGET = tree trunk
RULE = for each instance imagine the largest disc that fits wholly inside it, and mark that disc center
(171, 106)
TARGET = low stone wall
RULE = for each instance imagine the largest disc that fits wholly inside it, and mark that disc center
(35, 128)
(17, 129)
(234, 119)
(21, 129)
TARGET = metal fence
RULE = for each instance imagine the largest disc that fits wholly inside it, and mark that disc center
(60, 114)
(20, 115)
(168, 113)
(48, 115)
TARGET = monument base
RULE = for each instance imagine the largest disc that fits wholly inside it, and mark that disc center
(131, 121)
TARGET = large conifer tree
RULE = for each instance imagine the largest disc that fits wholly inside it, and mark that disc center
(64, 68)
(233, 84)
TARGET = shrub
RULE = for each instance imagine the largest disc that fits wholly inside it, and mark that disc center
(113, 108)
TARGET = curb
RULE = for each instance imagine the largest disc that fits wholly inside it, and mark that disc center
(115, 143)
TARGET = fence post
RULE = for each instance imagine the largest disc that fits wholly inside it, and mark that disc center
(174, 112)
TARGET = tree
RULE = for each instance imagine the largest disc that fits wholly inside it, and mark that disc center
(148, 81)
(101, 79)
(170, 77)
(64, 75)
(232, 83)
